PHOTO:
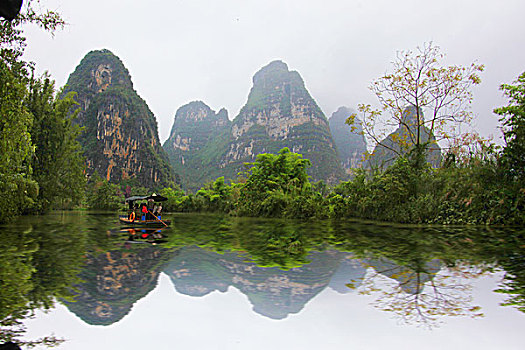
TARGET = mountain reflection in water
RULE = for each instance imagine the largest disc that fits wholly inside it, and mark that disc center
(418, 274)
(114, 281)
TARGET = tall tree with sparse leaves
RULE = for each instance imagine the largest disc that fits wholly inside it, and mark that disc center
(420, 82)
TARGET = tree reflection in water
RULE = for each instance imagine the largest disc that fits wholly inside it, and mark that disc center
(420, 274)
(39, 262)
(421, 297)
(423, 273)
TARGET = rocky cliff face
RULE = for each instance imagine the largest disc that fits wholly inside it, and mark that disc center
(349, 140)
(281, 113)
(402, 140)
(196, 127)
(120, 137)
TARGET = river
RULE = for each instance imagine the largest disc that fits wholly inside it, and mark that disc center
(216, 282)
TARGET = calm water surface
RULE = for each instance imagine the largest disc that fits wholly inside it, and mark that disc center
(212, 282)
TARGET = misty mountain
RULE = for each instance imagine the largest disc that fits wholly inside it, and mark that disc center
(279, 113)
(350, 142)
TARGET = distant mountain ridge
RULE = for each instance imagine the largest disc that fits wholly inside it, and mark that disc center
(349, 140)
(279, 113)
(120, 137)
(195, 127)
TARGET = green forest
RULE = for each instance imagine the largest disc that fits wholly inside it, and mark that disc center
(41, 167)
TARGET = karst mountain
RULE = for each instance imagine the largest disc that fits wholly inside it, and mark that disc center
(120, 137)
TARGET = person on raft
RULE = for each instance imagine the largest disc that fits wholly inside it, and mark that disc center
(144, 211)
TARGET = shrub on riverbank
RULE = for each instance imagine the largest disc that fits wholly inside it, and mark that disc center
(467, 191)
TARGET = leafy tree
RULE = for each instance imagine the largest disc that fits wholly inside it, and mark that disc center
(399, 194)
(20, 252)
(422, 84)
(175, 197)
(103, 195)
(513, 119)
(18, 191)
(272, 178)
(215, 196)
(57, 162)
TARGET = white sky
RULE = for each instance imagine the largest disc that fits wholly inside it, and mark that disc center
(183, 50)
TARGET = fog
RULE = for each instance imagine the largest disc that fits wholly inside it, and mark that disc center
(186, 50)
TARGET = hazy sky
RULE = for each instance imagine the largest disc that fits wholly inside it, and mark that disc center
(183, 50)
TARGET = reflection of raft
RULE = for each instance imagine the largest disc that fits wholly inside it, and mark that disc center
(144, 235)
(137, 222)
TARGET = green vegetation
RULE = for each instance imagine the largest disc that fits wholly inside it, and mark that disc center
(469, 191)
(39, 262)
(512, 160)
(277, 185)
(103, 195)
(58, 165)
(18, 190)
(41, 167)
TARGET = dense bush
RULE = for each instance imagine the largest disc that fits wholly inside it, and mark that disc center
(103, 195)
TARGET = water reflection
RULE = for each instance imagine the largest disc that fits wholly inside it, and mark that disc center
(142, 235)
(273, 292)
(114, 280)
(422, 296)
(418, 274)
(39, 261)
